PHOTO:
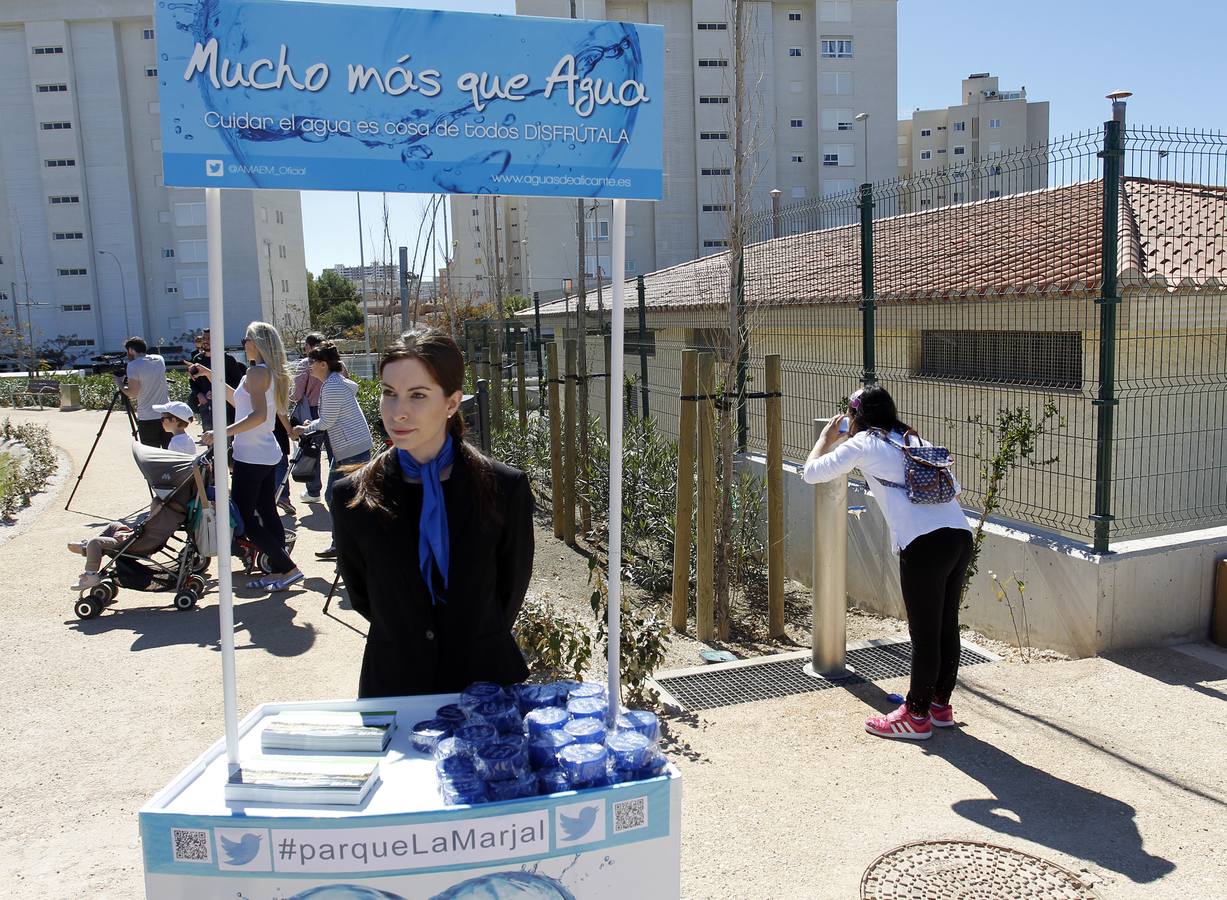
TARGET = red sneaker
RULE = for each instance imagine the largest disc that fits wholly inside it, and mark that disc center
(942, 716)
(901, 725)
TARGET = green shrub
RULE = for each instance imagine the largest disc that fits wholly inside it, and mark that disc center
(644, 635)
(22, 481)
(556, 645)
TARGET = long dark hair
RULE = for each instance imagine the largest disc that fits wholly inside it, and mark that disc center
(442, 358)
(875, 408)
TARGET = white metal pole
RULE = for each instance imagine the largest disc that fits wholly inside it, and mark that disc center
(614, 625)
(366, 325)
(221, 472)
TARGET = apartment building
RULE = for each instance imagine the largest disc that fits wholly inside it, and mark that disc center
(811, 67)
(93, 245)
(953, 154)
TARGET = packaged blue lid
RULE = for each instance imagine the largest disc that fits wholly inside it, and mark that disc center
(449, 746)
(551, 781)
(583, 763)
(454, 767)
(502, 759)
(472, 738)
(639, 720)
(483, 690)
(451, 713)
(543, 749)
(532, 696)
(654, 765)
(587, 708)
(599, 782)
(427, 734)
(586, 731)
(562, 689)
(502, 714)
(587, 689)
(629, 749)
(522, 785)
(547, 718)
(618, 775)
(463, 791)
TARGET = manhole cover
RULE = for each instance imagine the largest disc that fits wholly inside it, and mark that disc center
(968, 870)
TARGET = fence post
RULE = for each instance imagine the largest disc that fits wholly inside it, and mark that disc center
(557, 493)
(540, 364)
(570, 450)
(869, 375)
(1112, 155)
(483, 413)
(643, 360)
(743, 353)
(496, 380)
(830, 576)
(775, 498)
(685, 485)
(705, 548)
(521, 392)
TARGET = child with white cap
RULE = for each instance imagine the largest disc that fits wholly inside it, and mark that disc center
(176, 416)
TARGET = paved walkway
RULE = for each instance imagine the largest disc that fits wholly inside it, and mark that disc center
(1113, 766)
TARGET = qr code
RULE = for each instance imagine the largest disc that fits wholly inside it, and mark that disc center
(191, 845)
(630, 814)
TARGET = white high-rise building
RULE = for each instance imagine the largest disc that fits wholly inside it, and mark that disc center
(811, 67)
(89, 235)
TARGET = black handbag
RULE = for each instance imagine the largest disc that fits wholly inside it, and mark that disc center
(305, 466)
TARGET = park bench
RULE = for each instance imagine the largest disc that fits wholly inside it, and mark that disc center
(38, 392)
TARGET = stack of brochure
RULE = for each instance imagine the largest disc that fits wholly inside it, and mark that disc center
(291, 780)
(332, 731)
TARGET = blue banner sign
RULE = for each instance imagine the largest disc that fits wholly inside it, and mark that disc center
(294, 95)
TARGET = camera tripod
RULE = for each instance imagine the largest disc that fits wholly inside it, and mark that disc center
(120, 398)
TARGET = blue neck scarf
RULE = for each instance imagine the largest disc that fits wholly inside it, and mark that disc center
(433, 545)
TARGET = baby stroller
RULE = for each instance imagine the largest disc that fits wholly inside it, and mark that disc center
(241, 546)
(155, 557)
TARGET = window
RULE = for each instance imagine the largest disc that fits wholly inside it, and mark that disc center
(713, 135)
(194, 287)
(994, 123)
(830, 159)
(957, 196)
(60, 199)
(837, 48)
(717, 98)
(796, 123)
(926, 154)
(941, 150)
(597, 231)
(836, 11)
(992, 194)
(4, 295)
(473, 212)
(281, 251)
(797, 158)
(47, 51)
(715, 207)
(168, 253)
(713, 26)
(188, 214)
(55, 126)
(960, 126)
(70, 272)
(147, 34)
(193, 251)
(68, 236)
(794, 15)
(941, 127)
(280, 217)
(794, 52)
(52, 88)
(172, 288)
(925, 132)
(151, 71)
(81, 342)
(960, 151)
(1039, 359)
(285, 286)
(833, 186)
(837, 154)
(76, 307)
(713, 64)
(837, 120)
(835, 83)
(263, 213)
(724, 171)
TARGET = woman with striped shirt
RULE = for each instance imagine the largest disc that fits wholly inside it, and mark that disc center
(340, 418)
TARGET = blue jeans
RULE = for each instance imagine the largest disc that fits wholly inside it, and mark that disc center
(334, 472)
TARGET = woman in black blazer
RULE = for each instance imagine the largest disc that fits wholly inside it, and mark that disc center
(434, 540)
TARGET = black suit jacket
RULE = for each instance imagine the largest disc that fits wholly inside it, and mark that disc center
(414, 646)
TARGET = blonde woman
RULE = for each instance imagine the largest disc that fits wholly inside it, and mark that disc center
(262, 396)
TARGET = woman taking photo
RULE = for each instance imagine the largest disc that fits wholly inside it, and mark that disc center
(933, 541)
(340, 418)
(434, 540)
(262, 396)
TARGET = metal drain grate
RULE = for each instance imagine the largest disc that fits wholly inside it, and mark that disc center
(730, 685)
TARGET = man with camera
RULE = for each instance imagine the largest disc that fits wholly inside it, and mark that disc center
(145, 384)
(202, 387)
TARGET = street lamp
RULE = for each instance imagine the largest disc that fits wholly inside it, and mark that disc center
(272, 291)
(863, 118)
(526, 278)
(124, 287)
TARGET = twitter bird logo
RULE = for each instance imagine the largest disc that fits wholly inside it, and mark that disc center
(241, 852)
(575, 827)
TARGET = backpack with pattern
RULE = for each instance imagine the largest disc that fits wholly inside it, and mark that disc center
(927, 477)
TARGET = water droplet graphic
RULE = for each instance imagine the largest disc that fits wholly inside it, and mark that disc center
(178, 129)
(165, 57)
(480, 119)
(509, 118)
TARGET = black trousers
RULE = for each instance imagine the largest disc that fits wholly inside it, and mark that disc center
(931, 570)
(255, 495)
(152, 434)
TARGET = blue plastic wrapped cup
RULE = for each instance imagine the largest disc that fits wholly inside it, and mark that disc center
(587, 708)
(586, 731)
(501, 759)
(522, 785)
(639, 720)
(552, 781)
(654, 765)
(428, 733)
(587, 689)
(484, 690)
(452, 713)
(583, 763)
(532, 696)
(449, 746)
(547, 718)
(463, 791)
(629, 749)
(453, 767)
(502, 714)
(543, 749)
(474, 737)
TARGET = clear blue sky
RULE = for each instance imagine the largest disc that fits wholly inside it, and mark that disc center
(1070, 53)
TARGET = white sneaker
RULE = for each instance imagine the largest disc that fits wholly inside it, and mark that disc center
(308, 497)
